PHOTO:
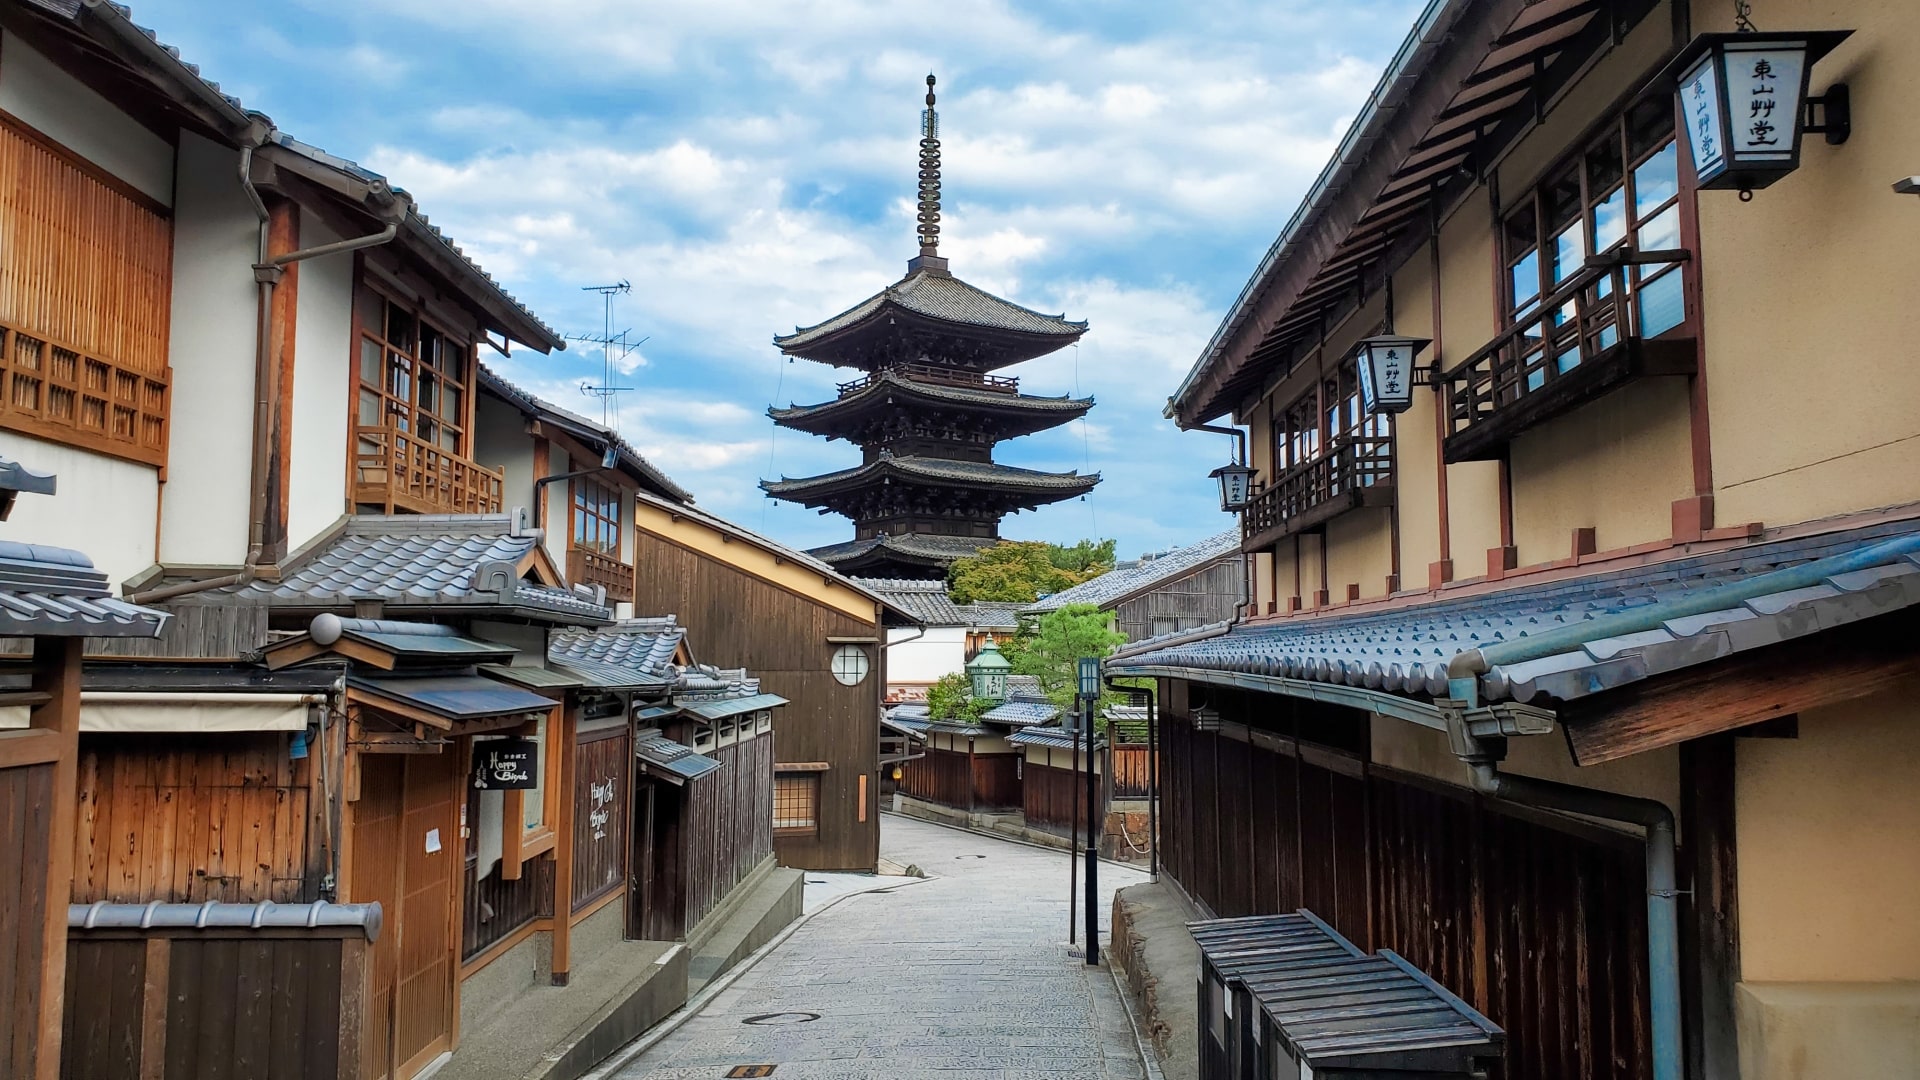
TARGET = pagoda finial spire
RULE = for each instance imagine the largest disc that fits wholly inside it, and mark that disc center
(929, 217)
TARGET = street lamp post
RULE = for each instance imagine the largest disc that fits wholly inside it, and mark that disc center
(1089, 673)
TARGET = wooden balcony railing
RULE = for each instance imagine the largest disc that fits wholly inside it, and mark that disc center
(588, 567)
(943, 376)
(396, 471)
(53, 392)
(1580, 342)
(1356, 472)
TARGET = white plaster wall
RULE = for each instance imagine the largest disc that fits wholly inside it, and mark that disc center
(558, 522)
(215, 242)
(56, 104)
(105, 507)
(322, 394)
(923, 660)
(500, 441)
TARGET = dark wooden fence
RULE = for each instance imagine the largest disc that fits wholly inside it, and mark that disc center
(496, 907)
(728, 827)
(1131, 769)
(1052, 799)
(278, 1004)
(996, 781)
(942, 776)
(1540, 923)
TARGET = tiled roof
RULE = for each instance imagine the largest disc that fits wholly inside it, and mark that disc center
(992, 615)
(1053, 737)
(1116, 586)
(928, 546)
(1024, 686)
(943, 297)
(924, 600)
(1022, 711)
(1128, 723)
(664, 757)
(892, 384)
(640, 650)
(941, 471)
(56, 592)
(536, 406)
(419, 560)
(1570, 638)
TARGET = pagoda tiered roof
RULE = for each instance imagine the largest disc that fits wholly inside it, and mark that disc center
(1025, 488)
(999, 413)
(930, 316)
(904, 556)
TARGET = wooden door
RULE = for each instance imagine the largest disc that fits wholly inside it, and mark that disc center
(405, 846)
(640, 863)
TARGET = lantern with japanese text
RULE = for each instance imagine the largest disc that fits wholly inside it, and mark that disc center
(1385, 362)
(1234, 479)
(1743, 104)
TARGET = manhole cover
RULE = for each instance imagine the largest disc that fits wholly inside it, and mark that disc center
(750, 1070)
(810, 881)
(776, 1019)
(959, 857)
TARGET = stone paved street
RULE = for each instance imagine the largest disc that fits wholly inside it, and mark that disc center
(963, 976)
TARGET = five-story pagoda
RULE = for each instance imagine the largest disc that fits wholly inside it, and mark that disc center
(928, 409)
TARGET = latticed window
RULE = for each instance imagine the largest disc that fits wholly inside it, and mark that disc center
(796, 802)
(1621, 191)
(414, 377)
(596, 516)
(1328, 419)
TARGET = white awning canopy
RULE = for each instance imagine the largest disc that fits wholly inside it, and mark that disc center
(112, 713)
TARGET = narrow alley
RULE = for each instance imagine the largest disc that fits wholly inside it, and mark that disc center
(966, 975)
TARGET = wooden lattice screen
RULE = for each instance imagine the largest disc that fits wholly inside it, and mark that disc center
(85, 288)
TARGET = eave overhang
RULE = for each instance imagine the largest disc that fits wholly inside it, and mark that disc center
(1018, 486)
(1468, 79)
(1013, 414)
(931, 309)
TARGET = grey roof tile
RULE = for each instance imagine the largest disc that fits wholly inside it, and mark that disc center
(940, 296)
(637, 650)
(940, 470)
(1606, 629)
(891, 384)
(55, 592)
(1118, 585)
(419, 560)
(1021, 712)
(929, 602)
(916, 545)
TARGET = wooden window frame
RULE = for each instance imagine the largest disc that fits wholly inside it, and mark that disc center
(582, 510)
(391, 405)
(1618, 128)
(521, 843)
(809, 780)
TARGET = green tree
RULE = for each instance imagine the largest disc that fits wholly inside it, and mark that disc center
(951, 698)
(1021, 571)
(1095, 556)
(1049, 648)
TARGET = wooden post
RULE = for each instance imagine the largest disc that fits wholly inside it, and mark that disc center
(153, 1009)
(56, 673)
(563, 843)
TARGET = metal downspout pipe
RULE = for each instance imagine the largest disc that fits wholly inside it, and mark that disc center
(266, 385)
(1663, 918)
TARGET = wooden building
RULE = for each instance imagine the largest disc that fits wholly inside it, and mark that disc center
(973, 768)
(1164, 593)
(1637, 560)
(949, 634)
(927, 410)
(51, 600)
(811, 636)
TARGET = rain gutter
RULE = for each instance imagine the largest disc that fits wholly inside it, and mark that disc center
(1465, 669)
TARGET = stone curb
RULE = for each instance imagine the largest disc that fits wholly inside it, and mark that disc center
(1076, 853)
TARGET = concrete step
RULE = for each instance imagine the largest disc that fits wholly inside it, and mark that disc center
(755, 911)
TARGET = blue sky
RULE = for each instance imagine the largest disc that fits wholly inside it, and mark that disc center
(749, 167)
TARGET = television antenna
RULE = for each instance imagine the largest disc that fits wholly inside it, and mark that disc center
(608, 341)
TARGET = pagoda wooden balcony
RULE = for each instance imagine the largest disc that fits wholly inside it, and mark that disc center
(941, 376)
(398, 472)
(1580, 343)
(586, 566)
(1356, 472)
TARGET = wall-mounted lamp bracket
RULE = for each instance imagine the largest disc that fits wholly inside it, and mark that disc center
(1834, 111)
